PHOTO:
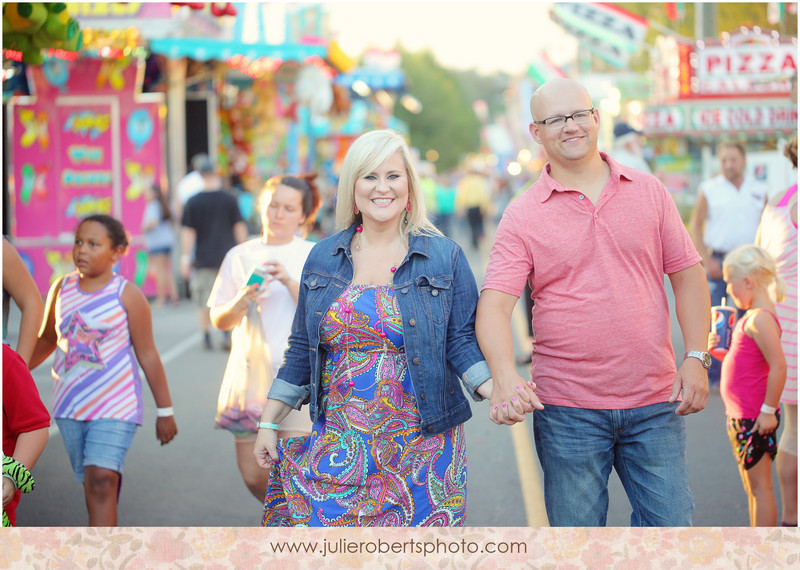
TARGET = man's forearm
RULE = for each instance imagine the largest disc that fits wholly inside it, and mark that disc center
(692, 306)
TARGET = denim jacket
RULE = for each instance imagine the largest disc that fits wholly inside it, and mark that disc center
(436, 295)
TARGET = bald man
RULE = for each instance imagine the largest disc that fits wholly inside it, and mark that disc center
(594, 240)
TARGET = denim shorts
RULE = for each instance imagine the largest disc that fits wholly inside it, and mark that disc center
(101, 443)
(577, 449)
(161, 250)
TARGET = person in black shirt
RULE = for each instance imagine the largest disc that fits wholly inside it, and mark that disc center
(211, 224)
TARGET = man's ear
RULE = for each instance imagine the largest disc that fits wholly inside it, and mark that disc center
(533, 128)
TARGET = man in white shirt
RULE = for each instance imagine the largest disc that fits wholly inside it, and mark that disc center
(190, 184)
(725, 216)
(628, 147)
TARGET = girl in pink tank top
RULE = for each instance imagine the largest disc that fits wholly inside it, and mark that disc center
(753, 375)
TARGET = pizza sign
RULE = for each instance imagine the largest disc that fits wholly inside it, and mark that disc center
(749, 64)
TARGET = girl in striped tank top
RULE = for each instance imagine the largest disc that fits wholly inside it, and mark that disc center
(778, 235)
(753, 374)
(99, 324)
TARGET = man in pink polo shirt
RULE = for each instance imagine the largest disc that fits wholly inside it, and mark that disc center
(594, 240)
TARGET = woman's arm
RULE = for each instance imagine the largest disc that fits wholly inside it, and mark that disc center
(227, 316)
(266, 447)
(763, 329)
(140, 325)
(462, 350)
(17, 281)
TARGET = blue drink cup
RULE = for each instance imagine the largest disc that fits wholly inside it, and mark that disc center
(723, 319)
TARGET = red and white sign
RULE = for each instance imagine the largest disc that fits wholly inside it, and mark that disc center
(664, 120)
(721, 118)
(749, 64)
(733, 118)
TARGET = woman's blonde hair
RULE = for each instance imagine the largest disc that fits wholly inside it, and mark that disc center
(755, 262)
(365, 155)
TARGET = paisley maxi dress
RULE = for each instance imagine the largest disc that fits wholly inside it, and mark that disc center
(366, 462)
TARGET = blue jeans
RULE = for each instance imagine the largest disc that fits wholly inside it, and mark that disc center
(647, 446)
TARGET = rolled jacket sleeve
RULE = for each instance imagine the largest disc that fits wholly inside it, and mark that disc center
(295, 396)
(476, 375)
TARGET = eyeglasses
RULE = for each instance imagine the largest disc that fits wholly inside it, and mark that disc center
(559, 121)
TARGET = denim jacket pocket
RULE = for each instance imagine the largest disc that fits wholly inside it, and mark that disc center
(436, 296)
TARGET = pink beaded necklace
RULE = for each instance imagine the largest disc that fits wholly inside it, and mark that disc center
(357, 245)
(380, 326)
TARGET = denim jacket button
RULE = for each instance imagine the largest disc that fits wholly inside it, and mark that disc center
(412, 322)
(404, 290)
(422, 396)
(435, 292)
(416, 361)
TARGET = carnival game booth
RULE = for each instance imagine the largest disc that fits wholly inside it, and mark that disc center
(86, 141)
(261, 79)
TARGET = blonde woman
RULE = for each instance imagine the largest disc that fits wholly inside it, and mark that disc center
(383, 335)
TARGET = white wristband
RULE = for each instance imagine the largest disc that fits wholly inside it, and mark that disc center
(165, 412)
(10, 478)
(767, 409)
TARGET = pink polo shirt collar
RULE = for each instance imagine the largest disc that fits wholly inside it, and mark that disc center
(546, 184)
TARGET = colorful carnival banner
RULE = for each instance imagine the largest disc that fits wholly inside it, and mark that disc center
(84, 144)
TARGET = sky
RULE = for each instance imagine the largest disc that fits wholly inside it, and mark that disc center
(486, 36)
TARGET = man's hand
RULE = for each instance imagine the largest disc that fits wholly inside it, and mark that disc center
(692, 381)
(714, 268)
(511, 399)
(186, 267)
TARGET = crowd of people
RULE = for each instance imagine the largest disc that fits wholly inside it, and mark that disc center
(373, 340)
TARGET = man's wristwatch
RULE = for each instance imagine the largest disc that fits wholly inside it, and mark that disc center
(703, 357)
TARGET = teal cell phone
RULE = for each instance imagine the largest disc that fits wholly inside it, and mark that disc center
(257, 275)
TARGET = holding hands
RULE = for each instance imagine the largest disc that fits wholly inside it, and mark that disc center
(512, 398)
